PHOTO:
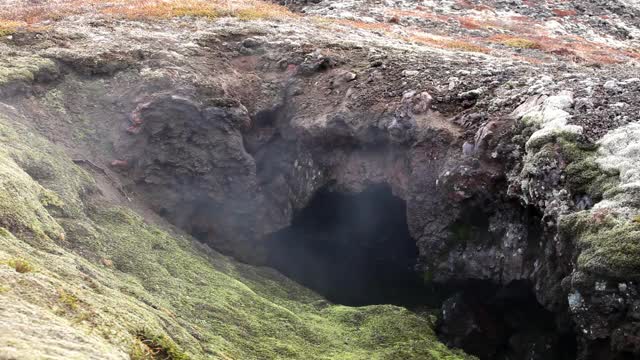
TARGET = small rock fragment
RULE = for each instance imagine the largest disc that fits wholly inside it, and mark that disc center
(468, 149)
(106, 262)
(350, 76)
(422, 102)
(471, 94)
(119, 163)
(611, 86)
(251, 43)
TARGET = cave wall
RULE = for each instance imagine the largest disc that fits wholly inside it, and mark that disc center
(234, 179)
(234, 172)
(228, 132)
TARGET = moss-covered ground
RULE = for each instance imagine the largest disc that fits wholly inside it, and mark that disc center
(104, 283)
(25, 69)
(607, 237)
(609, 244)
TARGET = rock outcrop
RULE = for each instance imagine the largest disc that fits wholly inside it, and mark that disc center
(513, 151)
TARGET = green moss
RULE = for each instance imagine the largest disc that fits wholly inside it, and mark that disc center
(537, 140)
(609, 244)
(8, 27)
(54, 98)
(577, 159)
(256, 313)
(583, 174)
(147, 346)
(6, 30)
(50, 199)
(191, 301)
(588, 178)
(533, 119)
(4, 232)
(68, 299)
(19, 265)
(537, 162)
(25, 69)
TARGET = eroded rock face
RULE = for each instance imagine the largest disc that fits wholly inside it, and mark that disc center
(485, 214)
(234, 131)
(190, 162)
(231, 181)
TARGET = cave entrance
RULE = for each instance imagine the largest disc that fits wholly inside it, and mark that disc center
(354, 249)
(503, 323)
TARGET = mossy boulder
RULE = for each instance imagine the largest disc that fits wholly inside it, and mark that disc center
(26, 69)
(583, 174)
(607, 236)
(608, 244)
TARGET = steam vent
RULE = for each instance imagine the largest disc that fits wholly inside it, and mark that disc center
(319, 180)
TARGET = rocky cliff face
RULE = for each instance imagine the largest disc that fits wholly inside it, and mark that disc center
(502, 133)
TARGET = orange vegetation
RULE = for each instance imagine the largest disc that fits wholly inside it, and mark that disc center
(575, 48)
(142, 9)
(372, 26)
(420, 12)
(563, 13)
(456, 44)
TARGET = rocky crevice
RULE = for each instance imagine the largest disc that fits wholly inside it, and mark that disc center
(504, 322)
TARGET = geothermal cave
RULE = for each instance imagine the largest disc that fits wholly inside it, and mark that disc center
(354, 249)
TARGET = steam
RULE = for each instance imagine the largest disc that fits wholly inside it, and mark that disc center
(354, 249)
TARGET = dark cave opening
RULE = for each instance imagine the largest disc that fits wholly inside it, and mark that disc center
(503, 322)
(354, 249)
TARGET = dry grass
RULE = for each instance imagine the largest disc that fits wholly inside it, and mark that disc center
(69, 300)
(30, 15)
(470, 23)
(163, 10)
(20, 265)
(604, 59)
(147, 347)
(633, 53)
(420, 13)
(371, 26)
(8, 27)
(52, 10)
(465, 46)
(518, 43)
(454, 44)
(530, 60)
(574, 48)
(242, 9)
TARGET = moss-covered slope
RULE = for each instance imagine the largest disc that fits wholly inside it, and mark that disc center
(608, 235)
(83, 278)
